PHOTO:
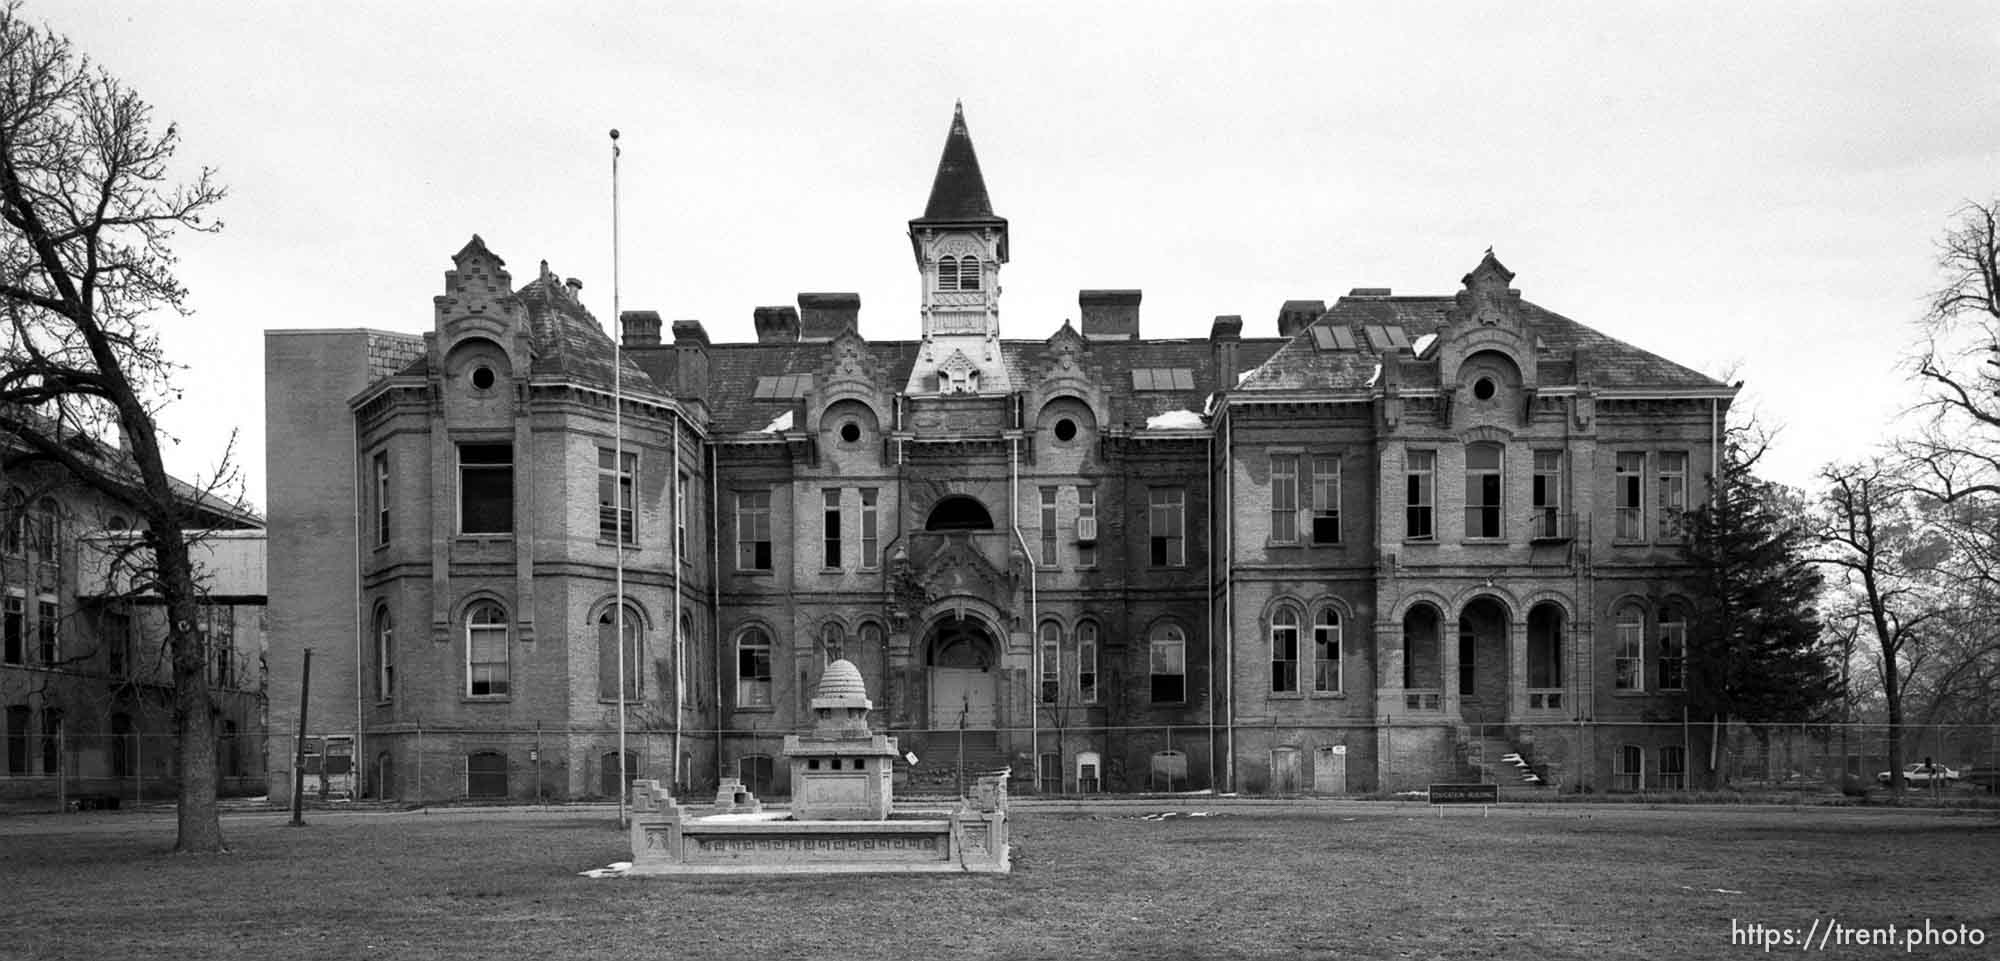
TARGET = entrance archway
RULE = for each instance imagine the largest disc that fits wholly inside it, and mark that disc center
(961, 655)
(959, 513)
(1482, 661)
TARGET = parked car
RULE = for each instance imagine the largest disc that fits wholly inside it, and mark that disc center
(1921, 774)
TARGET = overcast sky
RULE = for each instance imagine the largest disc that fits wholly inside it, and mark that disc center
(1751, 190)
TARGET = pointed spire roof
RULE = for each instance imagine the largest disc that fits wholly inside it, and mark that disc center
(958, 194)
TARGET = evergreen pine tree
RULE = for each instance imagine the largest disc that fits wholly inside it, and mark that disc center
(1755, 651)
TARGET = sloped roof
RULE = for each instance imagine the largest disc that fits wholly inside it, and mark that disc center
(1302, 365)
(568, 341)
(958, 193)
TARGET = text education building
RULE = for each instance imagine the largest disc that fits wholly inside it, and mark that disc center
(1403, 535)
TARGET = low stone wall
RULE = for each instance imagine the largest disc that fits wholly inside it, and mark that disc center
(666, 840)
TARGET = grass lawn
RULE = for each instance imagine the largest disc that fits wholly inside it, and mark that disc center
(1351, 880)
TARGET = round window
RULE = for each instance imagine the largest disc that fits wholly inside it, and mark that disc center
(482, 377)
(1483, 388)
(1065, 430)
(850, 432)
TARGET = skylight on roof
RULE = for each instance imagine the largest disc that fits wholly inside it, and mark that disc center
(1333, 337)
(782, 387)
(1162, 378)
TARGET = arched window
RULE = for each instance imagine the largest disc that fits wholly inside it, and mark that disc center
(958, 512)
(833, 641)
(1673, 648)
(1051, 658)
(753, 668)
(1285, 651)
(608, 654)
(1326, 651)
(870, 639)
(1168, 663)
(947, 273)
(968, 273)
(1631, 626)
(14, 515)
(46, 526)
(486, 667)
(385, 654)
(1086, 662)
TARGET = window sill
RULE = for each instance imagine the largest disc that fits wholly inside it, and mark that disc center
(486, 698)
(1331, 695)
(1286, 696)
(755, 572)
(609, 542)
(463, 537)
(1325, 544)
(379, 548)
(1631, 692)
(1485, 542)
(630, 699)
(766, 709)
(1420, 541)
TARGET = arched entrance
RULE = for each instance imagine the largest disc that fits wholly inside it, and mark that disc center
(1482, 661)
(962, 657)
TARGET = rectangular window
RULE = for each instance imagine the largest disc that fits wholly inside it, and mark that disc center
(1482, 491)
(753, 672)
(17, 740)
(871, 530)
(1166, 519)
(1048, 527)
(614, 495)
(51, 741)
(14, 517)
(830, 552)
(1051, 670)
(1169, 669)
(1086, 527)
(486, 488)
(1629, 484)
(1326, 652)
(1284, 498)
(1326, 500)
(1547, 515)
(681, 518)
(381, 498)
(753, 530)
(1671, 477)
(1673, 767)
(1673, 652)
(1285, 654)
(1631, 664)
(1626, 774)
(48, 624)
(1086, 664)
(116, 629)
(1419, 492)
(1468, 654)
(486, 659)
(14, 624)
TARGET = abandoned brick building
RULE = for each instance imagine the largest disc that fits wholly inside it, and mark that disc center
(1369, 547)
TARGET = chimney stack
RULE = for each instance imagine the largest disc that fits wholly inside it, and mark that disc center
(823, 316)
(641, 328)
(777, 325)
(1109, 314)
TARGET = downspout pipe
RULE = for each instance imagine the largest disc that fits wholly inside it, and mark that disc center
(1034, 614)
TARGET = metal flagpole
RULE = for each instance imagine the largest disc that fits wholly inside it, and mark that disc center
(618, 478)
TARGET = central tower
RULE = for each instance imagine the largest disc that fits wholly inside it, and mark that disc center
(959, 246)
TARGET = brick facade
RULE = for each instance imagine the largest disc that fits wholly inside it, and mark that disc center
(1225, 610)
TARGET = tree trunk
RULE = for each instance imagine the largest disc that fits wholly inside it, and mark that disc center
(199, 824)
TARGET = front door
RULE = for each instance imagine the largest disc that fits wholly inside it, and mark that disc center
(962, 693)
(1330, 770)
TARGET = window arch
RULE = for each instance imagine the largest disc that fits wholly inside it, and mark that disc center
(1631, 667)
(968, 273)
(385, 653)
(1326, 651)
(1050, 654)
(753, 668)
(1168, 663)
(833, 641)
(1086, 662)
(486, 650)
(868, 639)
(1673, 647)
(947, 271)
(14, 514)
(958, 512)
(1285, 650)
(608, 653)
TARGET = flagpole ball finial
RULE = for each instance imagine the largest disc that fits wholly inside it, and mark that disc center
(614, 133)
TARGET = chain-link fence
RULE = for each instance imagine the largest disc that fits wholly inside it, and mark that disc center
(51, 767)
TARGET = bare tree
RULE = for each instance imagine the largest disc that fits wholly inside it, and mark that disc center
(90, 207)
(1872, 537)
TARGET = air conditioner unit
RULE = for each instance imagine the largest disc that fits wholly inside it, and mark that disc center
(1086, 530)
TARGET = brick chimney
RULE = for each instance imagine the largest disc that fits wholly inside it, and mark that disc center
(690, 359)
(1223, 336)
(777, 325)
(641, 328)
(823, 316)
(1297, 315)
(1109, 314)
